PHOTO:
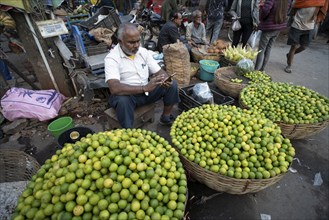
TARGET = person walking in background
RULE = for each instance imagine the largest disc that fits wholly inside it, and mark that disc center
(168, 6)
(304, 15)
(248, 12)
(273, 16)
(215, 13)
(195, 31)
(194, 4)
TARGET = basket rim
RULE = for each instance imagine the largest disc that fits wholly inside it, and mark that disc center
(231, 178)
(294, 130)
(227, 184)
(222, 74)
(196, 51)
(224, 83)
(197, 55)
(243, 105)
(229, 61)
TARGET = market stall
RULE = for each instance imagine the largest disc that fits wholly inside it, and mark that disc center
(137, 174)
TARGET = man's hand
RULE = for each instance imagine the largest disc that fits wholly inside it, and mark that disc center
(191, 43)
(154, 82)
(168, 81)
(165, 79)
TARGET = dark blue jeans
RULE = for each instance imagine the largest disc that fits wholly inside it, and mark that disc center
(4, 71)
(125, 104)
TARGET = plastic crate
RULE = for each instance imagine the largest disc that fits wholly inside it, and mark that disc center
(80, 46)
(111, 20)
(87, 47)
(74, 19)
(93, 55)
(97, 49)
(187, 101)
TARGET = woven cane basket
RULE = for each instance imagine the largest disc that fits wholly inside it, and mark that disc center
(194, 69)
(301, 131)
(223, 78)
(297, 131)
(226, 184)
(197, 55)
(16, 166)
(225, 62)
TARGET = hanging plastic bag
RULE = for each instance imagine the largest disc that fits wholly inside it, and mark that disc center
(244, 66)
(254, 39)
(236, 25)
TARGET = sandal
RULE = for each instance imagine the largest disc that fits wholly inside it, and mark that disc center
(288, 69)
(167, 120)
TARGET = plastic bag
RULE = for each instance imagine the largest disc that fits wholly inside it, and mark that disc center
(202, 93)
(236, 25)
(254, 39)
(244, 66)
(103, 35)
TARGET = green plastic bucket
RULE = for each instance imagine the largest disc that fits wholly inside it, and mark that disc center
(60, 125)
(209, 66)
(204, 75)
(207, 69)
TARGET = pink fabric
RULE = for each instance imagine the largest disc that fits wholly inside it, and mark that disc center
(23, 103)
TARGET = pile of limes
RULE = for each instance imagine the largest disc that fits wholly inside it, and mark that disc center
(257, 76)
(120, 174)
(286, 103)
(232, 141)
(236, 80)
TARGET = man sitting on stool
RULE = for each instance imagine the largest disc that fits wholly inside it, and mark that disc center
(128, 68)
(196, 31)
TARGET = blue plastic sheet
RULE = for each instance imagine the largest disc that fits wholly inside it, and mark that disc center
(4, 70)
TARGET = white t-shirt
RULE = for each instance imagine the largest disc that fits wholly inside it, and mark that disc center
(130, 71)
(304, 19)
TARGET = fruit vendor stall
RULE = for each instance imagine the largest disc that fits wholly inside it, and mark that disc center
(248, 146)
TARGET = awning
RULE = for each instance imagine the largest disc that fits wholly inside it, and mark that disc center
(20, 4)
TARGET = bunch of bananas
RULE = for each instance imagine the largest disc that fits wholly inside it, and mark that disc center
(237, 53)
(7, 21)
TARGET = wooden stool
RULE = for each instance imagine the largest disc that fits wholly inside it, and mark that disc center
(142, 115)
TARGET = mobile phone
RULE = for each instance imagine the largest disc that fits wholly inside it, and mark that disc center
(168, 78)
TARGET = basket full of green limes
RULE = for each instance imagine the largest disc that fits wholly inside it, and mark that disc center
(231, 83)
(299, 111)
(118, 174)
(230, 149)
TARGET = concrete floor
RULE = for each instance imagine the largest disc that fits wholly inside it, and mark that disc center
(293, 197)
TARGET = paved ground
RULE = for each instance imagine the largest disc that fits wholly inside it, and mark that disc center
(295, 196)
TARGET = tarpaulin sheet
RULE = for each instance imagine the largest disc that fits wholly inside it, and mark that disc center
(21, 4)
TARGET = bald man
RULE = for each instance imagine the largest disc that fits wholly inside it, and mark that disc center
(135, 79)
